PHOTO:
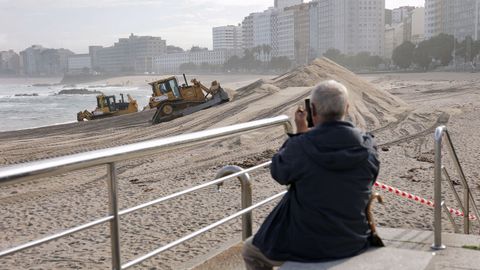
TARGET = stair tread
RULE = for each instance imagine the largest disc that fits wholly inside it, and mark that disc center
(372, 259)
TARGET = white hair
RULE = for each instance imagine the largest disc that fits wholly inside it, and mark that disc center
(330, 99)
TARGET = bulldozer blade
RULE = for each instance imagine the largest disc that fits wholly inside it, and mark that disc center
(218, 98)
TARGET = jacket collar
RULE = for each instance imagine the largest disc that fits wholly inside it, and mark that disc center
(334, 123)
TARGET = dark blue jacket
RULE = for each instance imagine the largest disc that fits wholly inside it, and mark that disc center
(330, 170)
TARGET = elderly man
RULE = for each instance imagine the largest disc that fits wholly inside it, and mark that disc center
(331, 169)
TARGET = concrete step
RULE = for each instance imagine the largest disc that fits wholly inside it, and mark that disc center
(373, 259)
(406, 249)
(455, 256)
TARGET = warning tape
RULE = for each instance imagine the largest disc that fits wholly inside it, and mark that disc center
(418, 199)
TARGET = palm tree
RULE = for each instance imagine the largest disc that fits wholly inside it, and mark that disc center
(256, 50)
(265, 52)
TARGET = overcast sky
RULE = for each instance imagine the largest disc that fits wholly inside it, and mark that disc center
(76, 24)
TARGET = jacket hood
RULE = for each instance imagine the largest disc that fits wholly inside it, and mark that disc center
(337, 145)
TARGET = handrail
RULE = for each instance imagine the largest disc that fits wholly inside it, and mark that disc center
(246, 186)
(55, 166)
(440, 133)
(70, 231)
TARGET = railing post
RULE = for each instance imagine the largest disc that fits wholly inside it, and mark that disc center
(466, 213)
(437, 226)
(467, 196)
(115, 222)
(246, 197)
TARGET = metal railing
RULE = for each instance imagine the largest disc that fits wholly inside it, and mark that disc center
(440, 171)
(109, 157)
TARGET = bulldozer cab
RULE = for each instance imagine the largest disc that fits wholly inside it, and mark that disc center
(106, 102)
(166, 87)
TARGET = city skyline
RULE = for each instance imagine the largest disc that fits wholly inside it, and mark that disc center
(185, 23)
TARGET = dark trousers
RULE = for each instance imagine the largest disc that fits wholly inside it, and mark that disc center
(254, 258)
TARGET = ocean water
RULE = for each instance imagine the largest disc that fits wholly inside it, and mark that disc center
(49, 108)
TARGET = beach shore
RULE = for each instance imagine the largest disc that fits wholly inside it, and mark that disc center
(35, 209)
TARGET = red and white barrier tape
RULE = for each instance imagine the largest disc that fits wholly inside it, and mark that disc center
(419, 199)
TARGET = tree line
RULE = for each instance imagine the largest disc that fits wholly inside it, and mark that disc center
(258, 60)
(362, 60)
(436, 51)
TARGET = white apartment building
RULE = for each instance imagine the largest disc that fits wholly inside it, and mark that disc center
(132, 54)
(418, 25)
(389, 44)
(394, 37)
(351, 26)
(170, 63)
(287, 29)
(228, 38)
(265, 28)
(402, 13)
(10, 61)
(459, 18)
(286, 34)
(368, 28)
(410, 29)
(463, 19)
(314, 31)
(247, 31)
(434, 17)
(79, 62)
(281, 4)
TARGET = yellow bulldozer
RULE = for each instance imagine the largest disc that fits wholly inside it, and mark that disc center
(173, 100)
(107, 106)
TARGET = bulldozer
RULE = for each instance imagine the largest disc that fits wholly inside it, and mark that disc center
(107, 106)
(173, 100)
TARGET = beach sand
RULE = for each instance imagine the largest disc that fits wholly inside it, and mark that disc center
(37, 208)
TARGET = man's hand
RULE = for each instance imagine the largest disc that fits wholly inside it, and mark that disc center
(301, 120)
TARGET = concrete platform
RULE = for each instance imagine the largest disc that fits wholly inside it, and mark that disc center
(373, 259)
(453, 257)
(406, 249)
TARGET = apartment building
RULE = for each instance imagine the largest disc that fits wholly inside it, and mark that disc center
(170, 63)
(132, 54)
(31, 58)
(389, 44)
(265, 27)
(247, 31)
(351, 26)
(458, 18)
(394, 37)
(281, 4)
(228, 37)
(79, 63)
(418, 25)
(401, 14)
(462, 19)
(285, 34)
(38, 60)
(435, 17)
(289, 29)
(303, 31)
(9, 62)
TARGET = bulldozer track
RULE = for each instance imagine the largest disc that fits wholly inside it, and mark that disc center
(400, 118)
(442, 119)
(458, 91)
(426, 132)
(284, 106)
